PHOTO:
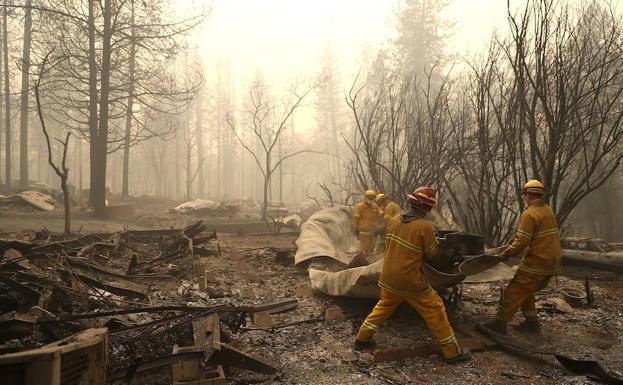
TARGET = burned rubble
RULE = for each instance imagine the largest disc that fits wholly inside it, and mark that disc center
(53, 288)
(189, 306)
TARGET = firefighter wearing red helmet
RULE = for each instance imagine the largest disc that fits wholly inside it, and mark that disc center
(411, 240)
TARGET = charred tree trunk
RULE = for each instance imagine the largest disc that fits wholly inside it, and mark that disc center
(200, 154)
(99, 195)
(23, 130)
(1, 59)
(265, 203)
(176, 163)
(93, 133)
(128, 118)
(7, 98)
(62, 171)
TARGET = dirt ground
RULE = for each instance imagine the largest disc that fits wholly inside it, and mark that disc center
(321, 352)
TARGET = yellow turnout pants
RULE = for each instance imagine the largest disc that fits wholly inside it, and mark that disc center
(520, 294)
(430, 307)
(367, 242)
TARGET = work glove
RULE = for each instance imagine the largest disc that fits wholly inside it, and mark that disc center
(497, 251)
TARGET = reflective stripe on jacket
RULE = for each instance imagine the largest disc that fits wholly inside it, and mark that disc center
(407, 245)
(538, 237)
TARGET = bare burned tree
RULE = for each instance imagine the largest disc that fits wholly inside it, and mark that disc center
(568, 74)
(402, 133)
(157, 154)
(480, 188)
(62, 171)
(92, 87)
(191, 144)
(267, 122)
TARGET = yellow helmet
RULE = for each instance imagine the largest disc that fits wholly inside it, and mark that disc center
(534, 187)
(381, 197)
(370, 194)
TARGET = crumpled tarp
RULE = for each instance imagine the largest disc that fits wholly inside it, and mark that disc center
(206, 207)
(328, 233)
(354, 282)
(196, 205)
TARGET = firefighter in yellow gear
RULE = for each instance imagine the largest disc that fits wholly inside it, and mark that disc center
(365, 224)
(389, 207)
(538, 238)
(411, 240)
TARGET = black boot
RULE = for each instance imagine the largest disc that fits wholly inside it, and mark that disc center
(365, 345)
(497, 326)
(529, 326)
(465, 355)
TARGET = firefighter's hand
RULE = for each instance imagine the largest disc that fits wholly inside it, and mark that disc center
(497, 251)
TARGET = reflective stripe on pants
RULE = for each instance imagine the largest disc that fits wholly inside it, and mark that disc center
(431, 309)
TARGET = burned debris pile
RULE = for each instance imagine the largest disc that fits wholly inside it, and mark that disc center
(129, 293)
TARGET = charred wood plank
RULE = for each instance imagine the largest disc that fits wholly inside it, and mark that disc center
(109, 287)
(155, 363)
(152, 309)
(279, 306)
(228, 355)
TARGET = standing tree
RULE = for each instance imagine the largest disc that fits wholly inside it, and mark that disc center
(129, 112)
(402, 133)
(200, 145)
(328, 112)
(420, 41)
(23, 131)
(479, 185)
(191, 142)
(62, 171)
(92, 87)
(568, 72)
(7, 97)
(267, 130)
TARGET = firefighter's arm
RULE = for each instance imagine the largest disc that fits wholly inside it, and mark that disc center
(357, 217)
(430, 245)
(523, 237)
(377, 209)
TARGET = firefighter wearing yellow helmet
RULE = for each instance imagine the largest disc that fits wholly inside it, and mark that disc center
(365, 224)
(538, 238)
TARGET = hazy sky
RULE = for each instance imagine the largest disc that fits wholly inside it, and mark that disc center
(284, 37)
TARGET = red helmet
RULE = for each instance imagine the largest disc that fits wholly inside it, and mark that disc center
(423, 195)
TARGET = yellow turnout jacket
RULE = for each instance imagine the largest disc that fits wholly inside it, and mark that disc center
(410, 240)
(539, 238)
(390, 210)
(367, 215)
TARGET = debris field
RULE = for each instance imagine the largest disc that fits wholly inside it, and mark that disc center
(190, 306)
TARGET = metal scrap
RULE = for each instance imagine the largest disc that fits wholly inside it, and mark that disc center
(574, 365)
